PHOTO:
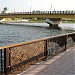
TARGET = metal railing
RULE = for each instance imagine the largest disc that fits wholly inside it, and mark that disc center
(39, 12)
(17, 56)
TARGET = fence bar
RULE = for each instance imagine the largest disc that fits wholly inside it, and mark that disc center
(46, 50)
(65, 43)
(6, 60)
(1, 61)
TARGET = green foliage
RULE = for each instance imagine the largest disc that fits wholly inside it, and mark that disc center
(5, 9)
(14, 19)
(69, 21)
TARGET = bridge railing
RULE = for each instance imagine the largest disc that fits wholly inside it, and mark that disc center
(40, 12)
(16, 57)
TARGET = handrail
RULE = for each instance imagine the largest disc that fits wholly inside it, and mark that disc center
(37, 40)
(16, 56)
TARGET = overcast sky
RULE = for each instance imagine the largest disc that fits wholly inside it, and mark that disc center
(29, 5)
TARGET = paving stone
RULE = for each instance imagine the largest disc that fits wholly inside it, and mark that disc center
(62, 64)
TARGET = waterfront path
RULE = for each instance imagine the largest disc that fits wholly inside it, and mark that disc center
(62, 64)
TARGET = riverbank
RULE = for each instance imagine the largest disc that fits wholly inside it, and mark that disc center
(8, 20)
(68, 21)
(31, 21)
(62, 26)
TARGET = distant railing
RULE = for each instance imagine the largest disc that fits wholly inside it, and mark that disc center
(39, 12)
(17, 56)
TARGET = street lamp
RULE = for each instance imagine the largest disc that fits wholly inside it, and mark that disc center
(30, 9)
(51, 7)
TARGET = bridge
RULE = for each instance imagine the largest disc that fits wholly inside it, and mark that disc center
(53, 18)
(40, 14)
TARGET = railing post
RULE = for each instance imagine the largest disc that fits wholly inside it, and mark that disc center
(46, 50)
(6, 61)
(1, 69)
(65, 43)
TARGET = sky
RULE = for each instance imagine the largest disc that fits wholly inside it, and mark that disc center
(42, 5)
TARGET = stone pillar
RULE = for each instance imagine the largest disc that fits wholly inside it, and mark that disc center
(53, 22)
(54, 26)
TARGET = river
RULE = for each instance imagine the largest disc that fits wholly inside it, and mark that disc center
(22, 32)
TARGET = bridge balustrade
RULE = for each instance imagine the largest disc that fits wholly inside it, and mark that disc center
(61, 12)
(41, 12)
(51, 12)
(44, 12)
(67, 12)
(73, 12)
(48, 12)
(56, 12)
(70, 12)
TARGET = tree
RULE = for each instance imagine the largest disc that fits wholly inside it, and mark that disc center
(2, 12)
(5, 9)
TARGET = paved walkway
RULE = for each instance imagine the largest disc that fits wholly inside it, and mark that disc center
(62, 64)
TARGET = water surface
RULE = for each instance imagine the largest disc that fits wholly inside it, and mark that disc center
(10, 34)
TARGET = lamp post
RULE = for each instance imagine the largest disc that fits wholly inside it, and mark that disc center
(30, 9)
(51, 7)
(14, 10)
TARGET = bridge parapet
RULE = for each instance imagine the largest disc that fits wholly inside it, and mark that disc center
(40, 12)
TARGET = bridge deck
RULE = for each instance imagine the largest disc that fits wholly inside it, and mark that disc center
(62, 64)
(40, 14)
